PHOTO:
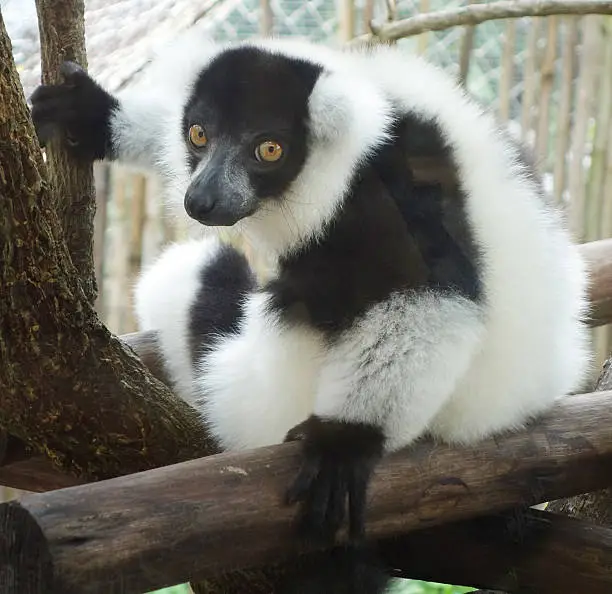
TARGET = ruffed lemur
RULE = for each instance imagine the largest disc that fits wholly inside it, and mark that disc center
(396, 308)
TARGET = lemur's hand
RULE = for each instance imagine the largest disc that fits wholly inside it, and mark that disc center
(337, 462)
(78, 109)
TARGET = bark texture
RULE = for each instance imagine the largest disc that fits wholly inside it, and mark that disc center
(597, 506)
(62, 37)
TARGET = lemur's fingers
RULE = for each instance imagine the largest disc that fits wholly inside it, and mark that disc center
(297, 433)
(336, 508)
(72, 72)
(302, 483)
(337, 462)
(357, 490)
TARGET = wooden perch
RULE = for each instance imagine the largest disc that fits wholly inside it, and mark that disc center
(475, 14)
(557, 555)
(598, 254)
(224, 511)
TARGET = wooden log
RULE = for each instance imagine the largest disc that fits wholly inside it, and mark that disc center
(557, 555)
(36, 474)
(27, 568)
(595, 507)
(598, 254)
(224, 511)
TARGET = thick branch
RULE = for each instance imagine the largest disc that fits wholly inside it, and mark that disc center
(225, 511)
(62, 37)
(597, 506)
(598, 254)
(479, 13)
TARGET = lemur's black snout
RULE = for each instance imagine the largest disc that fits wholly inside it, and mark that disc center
(210, 203)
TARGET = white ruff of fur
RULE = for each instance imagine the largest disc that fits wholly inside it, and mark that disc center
(256, 386)
(535, 347)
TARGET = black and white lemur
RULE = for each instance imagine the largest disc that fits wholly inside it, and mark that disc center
(395, 309)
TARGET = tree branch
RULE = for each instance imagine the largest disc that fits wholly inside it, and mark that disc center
(62, 37)
(557, 555)
(479, 13)
(597, 506)
(225, 512)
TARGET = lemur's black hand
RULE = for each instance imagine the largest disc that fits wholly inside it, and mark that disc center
(78, 109)
(337, 462)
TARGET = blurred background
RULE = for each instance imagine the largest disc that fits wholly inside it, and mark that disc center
(549, 78)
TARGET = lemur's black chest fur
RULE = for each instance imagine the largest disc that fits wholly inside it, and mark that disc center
(391, 234)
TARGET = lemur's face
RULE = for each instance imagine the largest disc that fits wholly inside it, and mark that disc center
(246, 131)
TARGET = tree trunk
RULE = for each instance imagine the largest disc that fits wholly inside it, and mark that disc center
(62, 37)
(67, 386)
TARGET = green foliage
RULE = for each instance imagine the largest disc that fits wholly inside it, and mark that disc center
(182, 589)
(398, 587)
(418, 587)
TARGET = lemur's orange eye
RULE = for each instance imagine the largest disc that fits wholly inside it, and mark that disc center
(268, 151)
(197, 136)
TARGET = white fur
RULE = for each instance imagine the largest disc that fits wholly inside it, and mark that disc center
(256, 386)
(535, 347)
(163, 296)
(412, 363)
(397, 365)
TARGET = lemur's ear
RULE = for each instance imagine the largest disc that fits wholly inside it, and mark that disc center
(330, 112)
(339, 100)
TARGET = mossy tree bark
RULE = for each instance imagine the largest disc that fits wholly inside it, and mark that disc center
(62, 37)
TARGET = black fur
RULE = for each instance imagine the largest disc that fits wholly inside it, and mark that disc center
(434, 212)
(79, 109)
(338, 460)
(365, 255)
(391, 234)
(246, 96)
(225, 281)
